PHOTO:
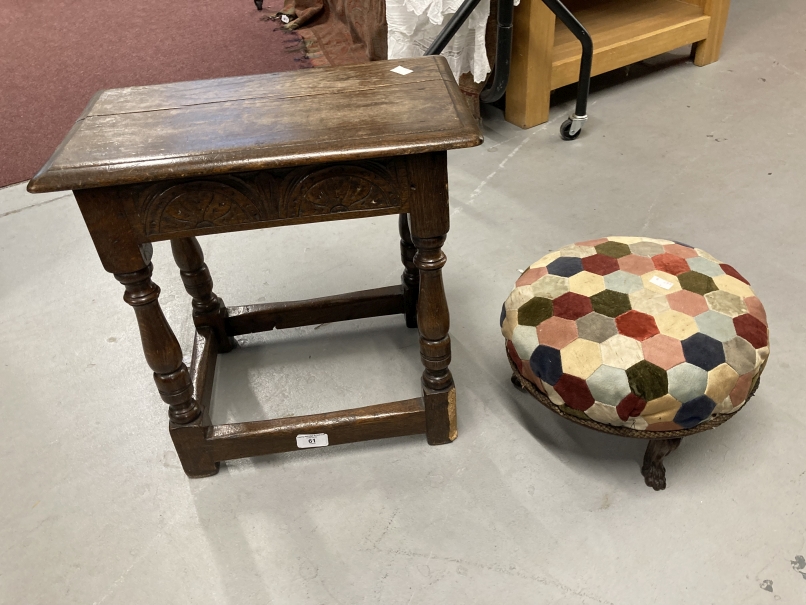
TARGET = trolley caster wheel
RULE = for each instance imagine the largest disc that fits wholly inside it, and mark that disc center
(259, 4)
(565, 131)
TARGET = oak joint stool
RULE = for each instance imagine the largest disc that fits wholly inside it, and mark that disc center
(172, 162)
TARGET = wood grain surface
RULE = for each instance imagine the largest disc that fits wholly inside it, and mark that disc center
(209, 127)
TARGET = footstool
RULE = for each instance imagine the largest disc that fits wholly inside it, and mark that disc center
(637, 337)
(177, 161)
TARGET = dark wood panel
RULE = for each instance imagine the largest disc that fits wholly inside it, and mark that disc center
(343, 307)
(244, 124)
(230, 441)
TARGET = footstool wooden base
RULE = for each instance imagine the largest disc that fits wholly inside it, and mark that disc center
(176, 161)
(660, 445)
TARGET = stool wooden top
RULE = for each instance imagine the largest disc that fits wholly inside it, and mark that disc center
(207, 127)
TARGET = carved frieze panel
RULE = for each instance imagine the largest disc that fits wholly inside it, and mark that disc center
(229, 202)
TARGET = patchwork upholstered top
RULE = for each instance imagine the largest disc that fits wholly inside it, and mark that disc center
(644, 333)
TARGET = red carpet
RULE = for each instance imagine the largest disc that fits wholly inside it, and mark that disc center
(55, 54)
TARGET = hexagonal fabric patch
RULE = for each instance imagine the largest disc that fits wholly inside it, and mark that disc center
(621, 351)
(586, 283)
(575, 392)
(703, 351)
(647, 380)
(664, 351)
(695, 411)
(636, 264)
(680, 250)
(705, 266)
(600, 264)
(622, 281)
(613, 249)
(696, 282)
(637, 325)
(581, 358)
(637, 332)
(556, 332)
(670, 263)
(611, 303)
(646, 249)
(565, 266)
(716, 325)
(546, 364)
(751, 329)
(535, 312)
(675, 324)
(725, 303)
(687, 302)
(687, 381)
(596, 327)
(609, 385)
(572, 305)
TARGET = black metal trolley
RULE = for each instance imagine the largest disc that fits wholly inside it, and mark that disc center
(496, 87)
(572, 127)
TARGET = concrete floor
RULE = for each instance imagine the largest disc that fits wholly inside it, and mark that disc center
(524, 507)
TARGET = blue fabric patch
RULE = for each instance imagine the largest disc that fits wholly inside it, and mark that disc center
(503, 314)
(546, 364)
(694, 412)
(565, 266)
(703, 351)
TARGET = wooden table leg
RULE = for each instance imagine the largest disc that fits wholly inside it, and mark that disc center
(162, 351)
(208, 309)
(411, 275)
(708, 50)
(429, 227)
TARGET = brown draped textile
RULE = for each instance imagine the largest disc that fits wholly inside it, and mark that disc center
(347, 32)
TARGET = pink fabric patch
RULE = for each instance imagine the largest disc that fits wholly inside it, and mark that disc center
(637, 265)
(557, 332)
(681, 251)
(687, 302)
(664, 351)
(531, 276)
(593, 242)
(756, 309)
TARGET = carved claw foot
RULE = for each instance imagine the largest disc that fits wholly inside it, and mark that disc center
(652, 469)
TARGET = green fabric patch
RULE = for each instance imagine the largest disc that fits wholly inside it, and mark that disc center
(696, 282)
(535, 312)
(647, 380)
(613, 249)
(611, 303)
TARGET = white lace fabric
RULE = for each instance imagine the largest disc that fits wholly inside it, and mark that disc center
(413, 25)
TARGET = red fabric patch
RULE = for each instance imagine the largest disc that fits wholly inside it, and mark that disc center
(670, 263)
(637, 325)
(751, 329)
(513, 355)
(575, 392)
(631, 405)
(600, 264)
(733, 273)
(572, 306)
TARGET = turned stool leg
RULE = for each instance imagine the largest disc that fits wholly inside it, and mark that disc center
(411, 276)
(208, 309)
(162, 351)
(653, 470)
